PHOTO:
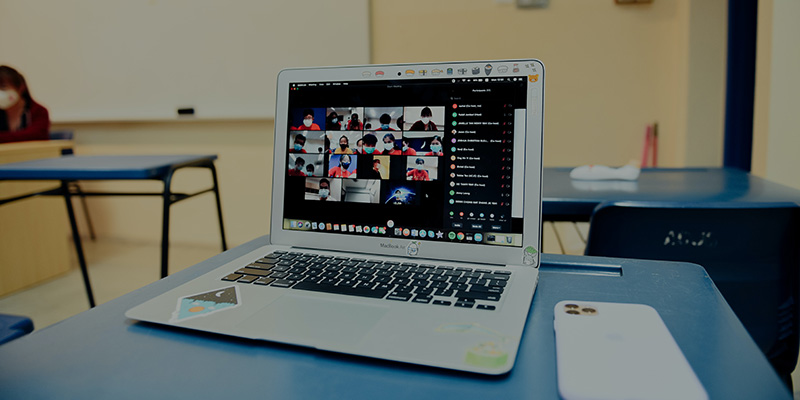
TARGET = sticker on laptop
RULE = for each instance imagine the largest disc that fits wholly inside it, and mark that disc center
(206, 303)
(487, 354)
(529, 256)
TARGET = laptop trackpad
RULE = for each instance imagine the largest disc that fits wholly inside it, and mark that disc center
(313, 321)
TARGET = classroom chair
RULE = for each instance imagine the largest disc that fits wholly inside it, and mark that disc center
(750, 250)
(14, 326)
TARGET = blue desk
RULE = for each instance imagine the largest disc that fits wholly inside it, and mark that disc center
(100, 354)
(567, 199)
(74, 168)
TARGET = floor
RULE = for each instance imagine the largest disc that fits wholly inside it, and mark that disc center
(118, 267)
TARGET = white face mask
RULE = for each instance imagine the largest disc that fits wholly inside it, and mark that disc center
(308, 121)
(8, 98)
(425, 120)
(388, 146)
(324, 193)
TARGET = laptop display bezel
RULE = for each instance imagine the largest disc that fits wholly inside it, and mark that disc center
(527, 253)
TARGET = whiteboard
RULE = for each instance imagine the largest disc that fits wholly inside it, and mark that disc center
(108, 60)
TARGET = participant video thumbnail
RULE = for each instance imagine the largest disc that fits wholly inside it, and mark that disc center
(422, 168)
(361, 190)
(344, 118)
(323, 189)
(307, 142)
(423, 143)
(424, 119)
(306, 119)
(383, 118)
(303, 164)
(342, 166)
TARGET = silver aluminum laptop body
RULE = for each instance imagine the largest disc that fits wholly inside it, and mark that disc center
(427, 177)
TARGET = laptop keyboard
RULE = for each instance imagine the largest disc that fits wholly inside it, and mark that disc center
(398, 281)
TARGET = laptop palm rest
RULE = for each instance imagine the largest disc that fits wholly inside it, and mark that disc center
(312, 321)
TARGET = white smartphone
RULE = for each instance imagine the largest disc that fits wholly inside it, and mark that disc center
(619, 351)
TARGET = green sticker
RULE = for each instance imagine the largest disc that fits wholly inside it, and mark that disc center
(530, 250)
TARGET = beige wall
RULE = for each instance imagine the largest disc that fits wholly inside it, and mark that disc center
(611, 70)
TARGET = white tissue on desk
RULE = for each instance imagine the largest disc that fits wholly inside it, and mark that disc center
(604, 173)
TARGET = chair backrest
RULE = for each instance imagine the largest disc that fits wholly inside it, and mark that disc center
(63, 135)
(750, 250)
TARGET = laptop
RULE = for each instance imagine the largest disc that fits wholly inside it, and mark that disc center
(405, 218)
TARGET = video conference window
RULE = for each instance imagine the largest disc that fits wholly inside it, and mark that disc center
(423, 143)
(323, 189)
(422, 168)
(306, 165)
(361, 191)
(344, 119)
(383, 118)
(342, 166)
(307, 119)
(424, 119)
(307, 142)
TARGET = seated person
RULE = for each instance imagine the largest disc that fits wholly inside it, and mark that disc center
(310, 170)
(341, 171)
(424, 123)
(299, 142)
(370, 141)
(374, 172)
(344, 146)
(332, 123)
(21, 118)
(390, 146)
(354, 124)
(418, 173)
(436, 147)
(308, 122)
(407, 149)
(385, 120)
(299, 163)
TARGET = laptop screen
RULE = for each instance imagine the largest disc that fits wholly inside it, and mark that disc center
(434, 159)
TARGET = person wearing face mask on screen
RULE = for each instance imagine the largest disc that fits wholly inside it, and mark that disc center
(385, 120)
(344, 146)
(419, 173)
(308, 122)
(424, 123)
(370, 143)
(332, 123)
(299, 143)
(354, 124)
(299, 163)
(341, 171)
(21, 118)
(436, 147)
(324, 189)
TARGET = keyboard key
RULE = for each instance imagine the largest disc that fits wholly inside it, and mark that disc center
(461, 294)
(248, 279)
(487, 289)
(502, 272)
(345, 290)
(253, 271)
(232, 277)
(495, 282)
(399, 296)
(465, 304)
(282, 283)
(444, 292)
(485, 307)
(263, 281)
(442, 302)
(422, 299)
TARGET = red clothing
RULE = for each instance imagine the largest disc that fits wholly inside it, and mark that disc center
(292, 150)
(35, 125)
(430, 153)
(395, 152)
(418, 175)
(313, 127)
(296, 172)
(355, 126)
(338, 172)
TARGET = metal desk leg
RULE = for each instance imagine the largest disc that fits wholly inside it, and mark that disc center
(76, 238)
(167, 195)
(219, 206)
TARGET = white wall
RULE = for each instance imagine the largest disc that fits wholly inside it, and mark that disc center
(783, 143)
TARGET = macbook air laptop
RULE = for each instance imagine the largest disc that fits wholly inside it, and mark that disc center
(405, 218)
